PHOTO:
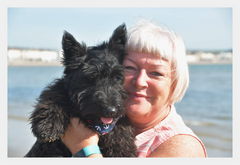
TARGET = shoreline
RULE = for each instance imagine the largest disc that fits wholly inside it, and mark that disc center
(58, 63)
(210, 63)
(33, 63)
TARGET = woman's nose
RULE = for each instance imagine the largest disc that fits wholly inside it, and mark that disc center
(140, 80)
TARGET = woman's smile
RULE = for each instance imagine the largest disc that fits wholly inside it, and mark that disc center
(138, 96)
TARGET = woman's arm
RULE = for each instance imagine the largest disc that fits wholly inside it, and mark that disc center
(77, 137)
(179, 146)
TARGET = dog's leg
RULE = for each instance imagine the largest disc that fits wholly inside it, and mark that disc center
(55, 149)
(50, 117)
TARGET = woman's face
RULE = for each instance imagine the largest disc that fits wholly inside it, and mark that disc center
(147, 81)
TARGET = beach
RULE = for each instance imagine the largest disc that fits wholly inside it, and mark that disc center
(20, 139)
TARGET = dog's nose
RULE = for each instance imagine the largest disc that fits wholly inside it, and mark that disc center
(109, 112)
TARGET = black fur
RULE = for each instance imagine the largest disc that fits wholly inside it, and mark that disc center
(94, 76)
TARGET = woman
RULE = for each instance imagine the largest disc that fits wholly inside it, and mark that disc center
(156, 77)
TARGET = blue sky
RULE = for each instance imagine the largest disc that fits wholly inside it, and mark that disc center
(205, 28)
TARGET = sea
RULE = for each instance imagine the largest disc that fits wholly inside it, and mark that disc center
(206, 107)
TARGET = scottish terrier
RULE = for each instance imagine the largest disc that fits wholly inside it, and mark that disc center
(91, 89)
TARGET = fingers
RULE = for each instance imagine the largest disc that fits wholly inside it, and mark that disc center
(75, 122)
(79, 128)
(77, 136)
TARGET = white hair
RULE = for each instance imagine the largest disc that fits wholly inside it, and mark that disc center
(154, 38)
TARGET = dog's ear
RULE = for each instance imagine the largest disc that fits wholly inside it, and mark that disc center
(73, 51)
(117, 42)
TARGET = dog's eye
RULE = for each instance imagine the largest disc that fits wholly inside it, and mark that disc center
(119, 79)
(92, 76)
(115, 78)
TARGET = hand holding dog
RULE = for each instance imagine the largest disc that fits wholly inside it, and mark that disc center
(77, 136)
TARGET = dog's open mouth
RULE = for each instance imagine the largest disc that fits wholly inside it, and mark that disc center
(107, 120)
(105, 126)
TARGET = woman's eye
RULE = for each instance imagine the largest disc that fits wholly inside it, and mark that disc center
(157, 74)
(129, 67)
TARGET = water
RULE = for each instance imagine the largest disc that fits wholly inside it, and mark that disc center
(206, 107)
(24, 86)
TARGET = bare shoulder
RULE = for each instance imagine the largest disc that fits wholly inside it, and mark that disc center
(179, 146)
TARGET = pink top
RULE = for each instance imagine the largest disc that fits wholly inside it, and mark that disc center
(172, 125)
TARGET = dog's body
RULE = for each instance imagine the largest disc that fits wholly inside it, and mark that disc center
(90, 89)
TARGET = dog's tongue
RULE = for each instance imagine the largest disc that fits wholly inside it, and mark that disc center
(106, 120)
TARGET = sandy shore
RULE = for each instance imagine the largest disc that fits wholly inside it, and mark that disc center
(20, 138)
(39, 63)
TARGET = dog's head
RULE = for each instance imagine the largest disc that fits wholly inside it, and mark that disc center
(94, 77)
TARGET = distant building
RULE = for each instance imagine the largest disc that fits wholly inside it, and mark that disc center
(211, 57)
(18, 54)
(224, 56)
(14, 55)
(191, 58)
(207, 56)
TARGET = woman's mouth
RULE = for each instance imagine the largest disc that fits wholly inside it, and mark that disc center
(138, 96)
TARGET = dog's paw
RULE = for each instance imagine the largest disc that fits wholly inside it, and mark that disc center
(48, 129)
(48, 132)
(46, 139)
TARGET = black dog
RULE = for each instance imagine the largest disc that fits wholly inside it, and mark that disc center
(91, 89)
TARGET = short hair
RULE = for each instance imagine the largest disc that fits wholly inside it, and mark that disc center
(155, 38)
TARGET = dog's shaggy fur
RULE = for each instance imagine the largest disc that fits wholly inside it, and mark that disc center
(94, 76)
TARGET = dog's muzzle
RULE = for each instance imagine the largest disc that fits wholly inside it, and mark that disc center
(101, 128)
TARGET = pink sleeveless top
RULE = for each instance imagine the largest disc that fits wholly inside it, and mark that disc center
(172, 125)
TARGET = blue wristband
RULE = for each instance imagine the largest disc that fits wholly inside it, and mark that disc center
(87, 151)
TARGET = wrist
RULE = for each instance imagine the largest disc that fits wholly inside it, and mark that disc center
(77, 146)
(89, 151)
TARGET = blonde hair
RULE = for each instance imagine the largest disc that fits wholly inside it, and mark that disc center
(154, 38)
